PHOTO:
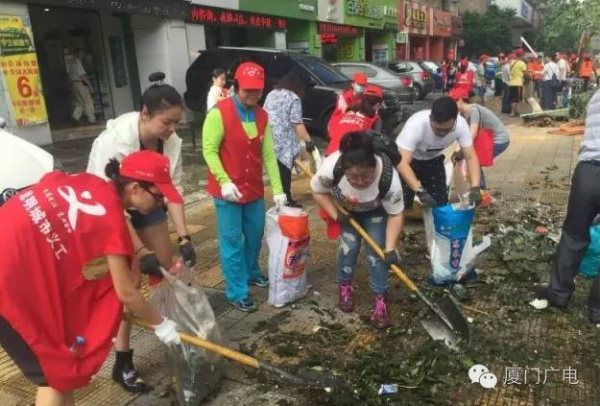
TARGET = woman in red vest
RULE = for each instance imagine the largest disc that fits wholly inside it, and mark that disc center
(237, 141)
(350, 97)
(56, 325)
(363, 116)
(463, 82)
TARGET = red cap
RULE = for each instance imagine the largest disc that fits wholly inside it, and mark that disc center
(152, 167)
(520, 51)
(373, 90)
(360, 78)
(250, 76)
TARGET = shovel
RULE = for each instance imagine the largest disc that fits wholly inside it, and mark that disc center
(305, 379)
(445, 322)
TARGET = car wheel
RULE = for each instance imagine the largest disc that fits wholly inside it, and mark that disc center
(419, 92)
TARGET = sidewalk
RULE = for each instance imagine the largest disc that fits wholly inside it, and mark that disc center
(535, 169)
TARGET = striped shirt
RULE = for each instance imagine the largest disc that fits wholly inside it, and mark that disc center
(590, 146)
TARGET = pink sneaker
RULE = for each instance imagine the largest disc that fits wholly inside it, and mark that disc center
(346, 303)
(379, 317)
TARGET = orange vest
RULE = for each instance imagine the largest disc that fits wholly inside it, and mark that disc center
(241, 156)
(586, 70)
(536, 69)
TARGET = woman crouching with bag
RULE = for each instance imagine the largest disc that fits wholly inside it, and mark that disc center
(367, 185)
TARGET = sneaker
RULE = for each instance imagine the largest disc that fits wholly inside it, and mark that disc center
(262, 282)
(379, 317)
(486, 200)
(246, 304)
(346, 301)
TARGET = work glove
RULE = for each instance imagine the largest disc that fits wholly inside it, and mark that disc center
(280, 200)
(309, 146)
(343, 219)
(167, 332)
(149, 265)
(230, 192)
(187, 251)
(457, 156)
(426, 199)
(392, 258)
(475, 195)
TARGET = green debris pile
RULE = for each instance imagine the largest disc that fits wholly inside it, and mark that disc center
(578, 104)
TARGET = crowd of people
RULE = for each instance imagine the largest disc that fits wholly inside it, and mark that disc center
(133, 185)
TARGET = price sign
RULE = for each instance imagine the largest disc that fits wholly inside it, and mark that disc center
(18, 63)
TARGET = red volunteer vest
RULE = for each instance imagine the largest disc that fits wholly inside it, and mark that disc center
(463, 83)
(50, 232)
(342, 125)
(241, 156)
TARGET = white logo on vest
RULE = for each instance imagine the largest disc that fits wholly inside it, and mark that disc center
(75, 205)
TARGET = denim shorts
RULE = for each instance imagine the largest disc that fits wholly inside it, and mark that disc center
(139, 220)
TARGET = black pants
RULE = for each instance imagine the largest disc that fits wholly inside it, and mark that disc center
(286, 180)
(584, 206)
(548, 96)
(21, 354)
(432, 175)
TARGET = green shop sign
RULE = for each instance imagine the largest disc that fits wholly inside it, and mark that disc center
(366, 13)
(299, 9)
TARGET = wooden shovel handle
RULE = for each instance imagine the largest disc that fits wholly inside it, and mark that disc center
(405, 279)
(207, 345)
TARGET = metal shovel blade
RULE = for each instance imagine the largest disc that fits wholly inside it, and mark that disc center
(446, 323)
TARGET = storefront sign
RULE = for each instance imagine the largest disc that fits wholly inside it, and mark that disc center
(210, 15)
(178, 9)
(21, 73)
(401, 38)
(456, 26)
(415, 18)
(306, 7)
(365, 8)
(526, 11)
(338, 29)
(391, 12)
(442, 23)
(329, 39)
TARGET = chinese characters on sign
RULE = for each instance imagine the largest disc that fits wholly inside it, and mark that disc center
(537, 376)
(456, 26)
(365, 8)
(18, 63)
(337, 29)
(442, 23)
(209, 15)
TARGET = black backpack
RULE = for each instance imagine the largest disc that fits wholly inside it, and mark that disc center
(387, 150)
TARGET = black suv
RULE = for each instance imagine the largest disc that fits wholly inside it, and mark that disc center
(326, 83)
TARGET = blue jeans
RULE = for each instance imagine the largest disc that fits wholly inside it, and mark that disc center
(374, 222)
(505, 99)
(240, 228)
(498, 149)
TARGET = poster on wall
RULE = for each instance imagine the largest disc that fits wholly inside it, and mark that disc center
(18, 62)
(380, 53)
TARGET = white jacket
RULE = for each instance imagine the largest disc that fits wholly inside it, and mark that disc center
(121, 138)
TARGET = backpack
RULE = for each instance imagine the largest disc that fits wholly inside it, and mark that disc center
(554, 82)
(390, 158)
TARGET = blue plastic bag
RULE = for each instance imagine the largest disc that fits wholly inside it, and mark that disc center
(450, 243)
(591, 261)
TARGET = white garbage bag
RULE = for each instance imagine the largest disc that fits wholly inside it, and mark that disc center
(288, 240)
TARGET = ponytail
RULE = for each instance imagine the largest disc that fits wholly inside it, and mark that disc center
(160, 96)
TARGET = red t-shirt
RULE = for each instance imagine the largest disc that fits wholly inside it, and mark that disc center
(463, 82)
(49, 232)
(342, 125)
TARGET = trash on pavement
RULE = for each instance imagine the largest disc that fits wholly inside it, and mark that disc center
(388, 389)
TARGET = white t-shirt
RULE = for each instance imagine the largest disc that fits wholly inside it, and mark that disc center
(563, 69)
(76, 70)
(211, 99)
(418, 137)
(121, 138)
(354, 199)
(550, 68)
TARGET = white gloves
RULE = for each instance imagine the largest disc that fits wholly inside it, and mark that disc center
(279, 200)
(167, 332)
(230, 192)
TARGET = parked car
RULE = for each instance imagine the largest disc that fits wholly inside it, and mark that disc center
(381, 76)
(435, 69)
(421, 76)
(326, 83)
(22, 164)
